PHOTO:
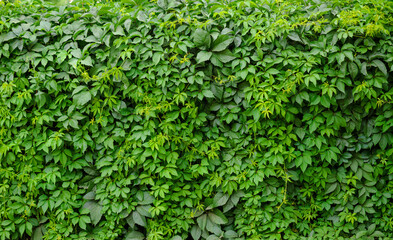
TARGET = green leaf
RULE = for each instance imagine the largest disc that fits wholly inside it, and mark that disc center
(134, 235)
(331, 188)
(202, 221)
(380, 65)
(144, 210)
(4, 37)
(360, 234)
(203, 56)
(37, 234)
(87, 61)
(378, 234)
(220, 199)
(364, 69)
(217, 217)
(300, 132)
(142, 16)
(45, 25)
(40, 99)
(127, 24)
(97, 31)
(196, 232)
(156, 57)
(212, 237)
(119, 31)
(162, 4)
(221, 43)
(138, 219)
(82, 98)
(76, 53)
(230, 234)
(95, 211)
(201, 38)
(353, 69)
(207, 93)
(295, 37)
(225, 56)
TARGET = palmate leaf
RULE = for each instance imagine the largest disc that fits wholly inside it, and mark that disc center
(171, 119)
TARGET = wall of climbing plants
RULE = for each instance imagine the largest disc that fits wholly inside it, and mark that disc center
(180, 119)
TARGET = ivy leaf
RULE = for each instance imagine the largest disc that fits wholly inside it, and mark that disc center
(40, 99)
(203, 56)
(201, 38)
(156, 57)
(119, 31)
(353, 69)
(220, 199)
(134, 235)
(82, 98)
(95, 211)
(162, 4)
(87, 61)
(380, 65)
(225, 56)
(207, 93)
(230, 234)
(212, 237)
(217, 217)
(202, 221)
(77, 53)
(196, 232)
(144, 210)
(37, 235)
(139, 219)
(221, 43)
(295, 37)
(331, 188)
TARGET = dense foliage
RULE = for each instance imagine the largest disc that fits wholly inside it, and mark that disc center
(196, 120)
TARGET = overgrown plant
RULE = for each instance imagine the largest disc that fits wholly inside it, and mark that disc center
(196, 120)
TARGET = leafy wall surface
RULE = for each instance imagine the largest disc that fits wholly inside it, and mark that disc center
(196, 120)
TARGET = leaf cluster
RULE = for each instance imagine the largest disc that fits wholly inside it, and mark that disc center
(196, 120)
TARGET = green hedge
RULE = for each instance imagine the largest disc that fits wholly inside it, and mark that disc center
(196, 120)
